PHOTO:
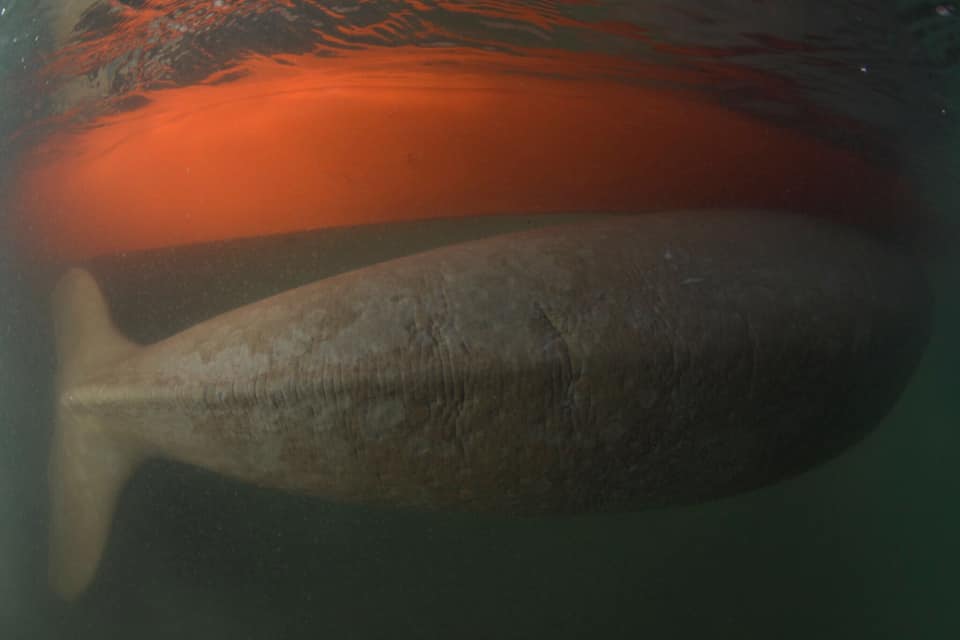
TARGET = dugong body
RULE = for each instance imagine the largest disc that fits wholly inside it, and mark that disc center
(622, 362)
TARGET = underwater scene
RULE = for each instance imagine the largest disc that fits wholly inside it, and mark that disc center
(498, 319)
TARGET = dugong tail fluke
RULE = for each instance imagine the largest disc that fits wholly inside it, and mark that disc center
(88, 465)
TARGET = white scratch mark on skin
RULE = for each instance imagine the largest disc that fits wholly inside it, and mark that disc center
(223, 365)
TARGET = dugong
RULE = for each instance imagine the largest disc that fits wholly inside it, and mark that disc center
(616, 363)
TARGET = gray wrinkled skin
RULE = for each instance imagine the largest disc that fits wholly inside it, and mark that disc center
(625, 362)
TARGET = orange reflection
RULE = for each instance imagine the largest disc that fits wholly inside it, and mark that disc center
(402, 134)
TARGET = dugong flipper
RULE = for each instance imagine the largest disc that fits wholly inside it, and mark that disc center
(633, 360)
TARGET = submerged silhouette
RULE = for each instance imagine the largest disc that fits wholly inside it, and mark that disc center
(617, 363)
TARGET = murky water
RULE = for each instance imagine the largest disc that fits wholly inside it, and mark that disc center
(197, 156)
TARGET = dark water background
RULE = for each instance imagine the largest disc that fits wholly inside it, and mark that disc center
(863, 547)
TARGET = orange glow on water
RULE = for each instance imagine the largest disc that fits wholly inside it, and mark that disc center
(403, 134)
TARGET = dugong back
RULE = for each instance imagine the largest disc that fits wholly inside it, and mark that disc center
(621, 362)
(636, 360)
